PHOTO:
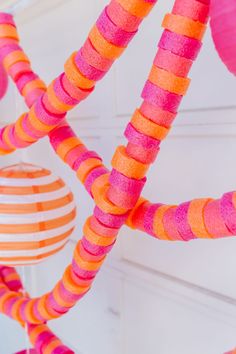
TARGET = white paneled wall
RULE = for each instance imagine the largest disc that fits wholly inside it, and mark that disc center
(150, 297)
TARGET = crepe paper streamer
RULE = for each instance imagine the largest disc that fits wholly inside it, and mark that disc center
(181, 219)
(161, 98)
(156, 114)
(45, 341)
(105, 48)
(137, 138)
(93, 176)
(73, 82)
(196, 10)
(180, 45)
(8, 31)
(23, 80)
(214, 219)
(122, 18)
(110, 220)
(199, 218)
(121, 198)
(172, 63)
(78, 276)
(6, 18)
(184, 25)
(148, 127)
(113, 33)
(103, 202)
(14, 57)
(11, 278)
(86, 167)
(88, 70)
(95, 59)
(3, 81)
(40, 336)
(37, 214)
(140, 8)
(169, 224)
(145, 156)
(126, 184)
(168, 81)
(227, 209)
(75, 76)
(223, 30)
(127, 165)
(150, 211)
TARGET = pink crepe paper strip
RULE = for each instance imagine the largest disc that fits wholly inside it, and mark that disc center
(170, 224)
(161, 98)
(86, 69)
(95, 59)
(194, 9)
(123, 18)
(93, 175)
(168, 61)
(181, 218)
(113, 33)
(228, 211)
(95, 249)
(180, 45)
(6, 18)
(214, 221)
(135, 137)
(111, 220)
(149, 215)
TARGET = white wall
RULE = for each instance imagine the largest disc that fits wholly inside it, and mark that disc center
(150, 297)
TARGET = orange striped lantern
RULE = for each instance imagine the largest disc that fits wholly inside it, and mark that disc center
(37, 214)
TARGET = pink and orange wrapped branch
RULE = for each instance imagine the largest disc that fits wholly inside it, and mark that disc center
(117, 194)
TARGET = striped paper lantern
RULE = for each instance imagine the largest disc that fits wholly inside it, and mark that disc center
(223, 29)
(37, 214)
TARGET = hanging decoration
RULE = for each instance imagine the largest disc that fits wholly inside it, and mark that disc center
(117, 193)
(37, 214)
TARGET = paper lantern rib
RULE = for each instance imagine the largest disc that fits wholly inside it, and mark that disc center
(37, 214)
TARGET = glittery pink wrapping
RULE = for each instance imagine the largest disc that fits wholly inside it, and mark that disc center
(228, 212)
(113, 33)
(86, 69)
(181, 218)
(149, 217)
(180, 45)
(135, 137)
(161, 98)
(93, 175)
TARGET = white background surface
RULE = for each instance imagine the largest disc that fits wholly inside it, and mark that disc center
(150, 297)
